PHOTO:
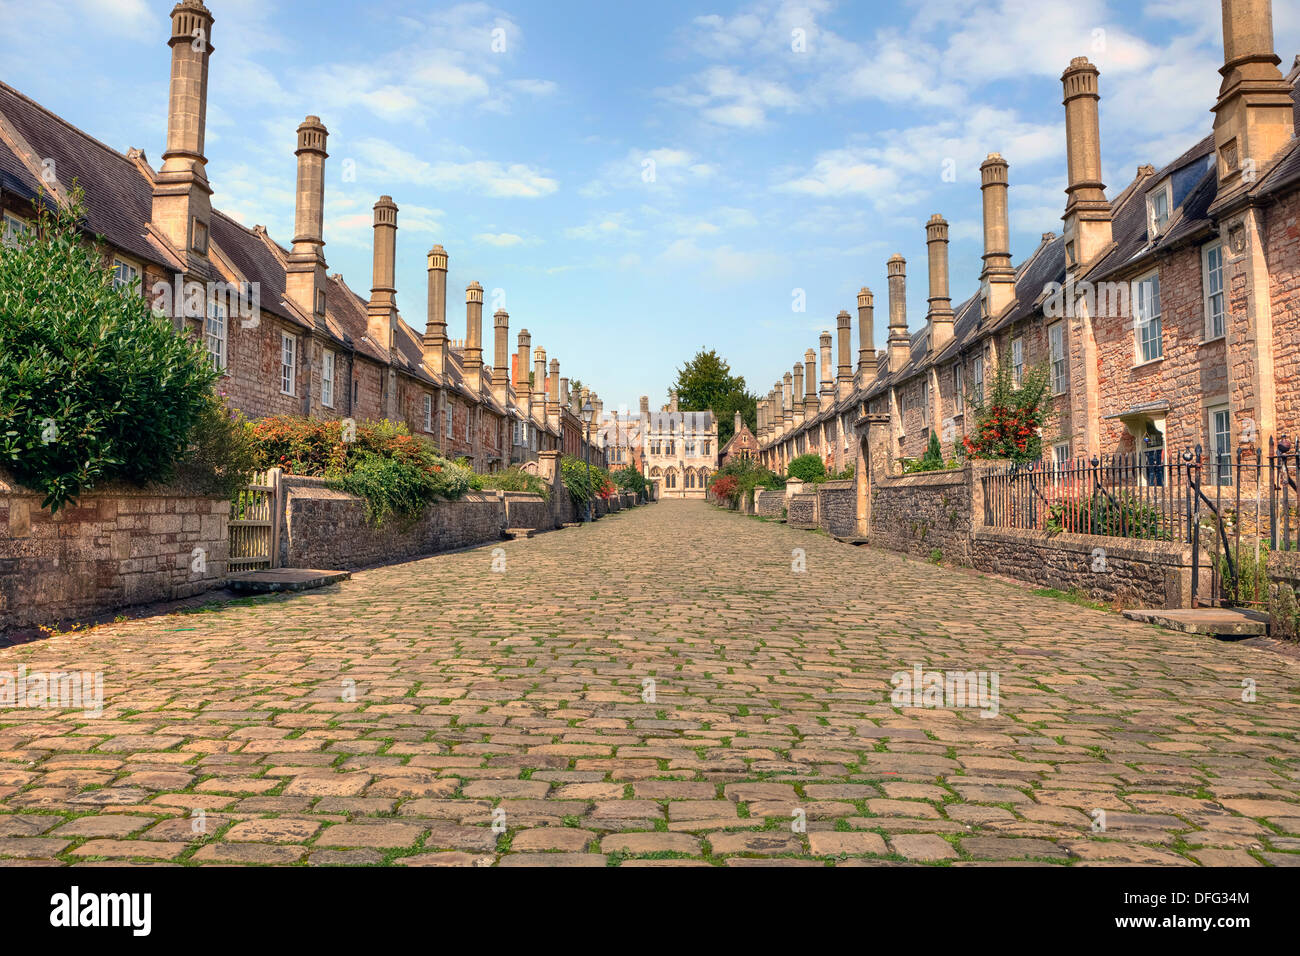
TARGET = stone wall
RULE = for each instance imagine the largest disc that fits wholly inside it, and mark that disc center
(920, 513)
(1125, 571)
(769, 502)
(837, 508)
(527, 511)
(329, 530)
(116, 547)
(803, 510)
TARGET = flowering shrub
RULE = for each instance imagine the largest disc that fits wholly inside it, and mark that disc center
(1009, 424)
(727, 486)
(582, 488)
(397, 473)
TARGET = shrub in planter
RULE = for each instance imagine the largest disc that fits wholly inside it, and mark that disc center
(93, 386)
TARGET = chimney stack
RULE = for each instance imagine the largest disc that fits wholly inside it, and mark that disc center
(539, 385)
(1087, 212)
(900, 342)
(435, 329)
(940, 318)
(472, 357)
(645, 405)
(762, 421)
(866, 337)
(381, 311)
(810, 385)
(844, 383)
(787, 403)
(553, 395)
(796, 393)
(523, 391)
(501, 357)
(305, 272)
(998, 277)
(182, 198)
(1254, 117)
(737, 423)
(827, 395)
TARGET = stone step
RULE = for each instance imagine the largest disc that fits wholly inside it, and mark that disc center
(275, 580)
(1215, 621)
(517, 533)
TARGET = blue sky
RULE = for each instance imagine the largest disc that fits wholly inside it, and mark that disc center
(774, 169)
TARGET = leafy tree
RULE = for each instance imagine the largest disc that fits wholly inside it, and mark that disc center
(706, 383)
(1008, 425)
(808, 467)
(93, 386)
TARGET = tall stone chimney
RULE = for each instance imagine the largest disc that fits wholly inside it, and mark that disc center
(900, 342)
(523, 391)
(472, 357)
(762, 421)
(844, 380)
(182, 198)
(381, 311)
(305, 272)
(672, 405)
(827, 394)
(539, 385)
(553, 395)
(810, 385)
(1087, 212)
(940, 317)
(1254, 117)
(796, 393)
(866, 337)
(998, 277)
(435, 328)
(788, 395)
(501, 357)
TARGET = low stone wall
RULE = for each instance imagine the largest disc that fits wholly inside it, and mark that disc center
(116, 547)
(920, 513)
(803, 510)
(329, 530)
(1125, 571)
(837, 508)
(527, 511)
(769, 502)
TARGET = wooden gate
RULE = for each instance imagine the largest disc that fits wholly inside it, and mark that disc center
(255, 516)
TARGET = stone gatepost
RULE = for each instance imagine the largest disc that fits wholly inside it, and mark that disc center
(548, 469)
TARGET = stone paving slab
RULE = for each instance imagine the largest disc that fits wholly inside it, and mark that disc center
(667, 689)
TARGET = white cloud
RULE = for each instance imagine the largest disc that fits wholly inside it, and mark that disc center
(502, 240)
(726, 97)
(383, 162)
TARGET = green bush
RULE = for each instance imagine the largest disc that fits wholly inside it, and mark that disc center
(93, 386)
(222, 455)
(807, 467)
(748, 475)
(582, 489)
(1129, 518)
(629, 479)
(512, 479)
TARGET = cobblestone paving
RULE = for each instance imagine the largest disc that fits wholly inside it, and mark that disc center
(441, 713)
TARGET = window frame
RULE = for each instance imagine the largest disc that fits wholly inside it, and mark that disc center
(12, 228)
(427, 403)
(1220, 474)
(328, 369)
(1142, 323)
(1208, 296)
(1060, 380)
(1018, 360)
(137, 278)
(220, 358)
(289, 369)
(1155, 228)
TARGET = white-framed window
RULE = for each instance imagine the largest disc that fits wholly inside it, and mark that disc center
(1061, 454)
(690, 449)
(1146, 318)
(215, 328)
(1220, 466)
(13, 229)
(1215, 300)
(447, 425)
(1158, 210)
(518, 437)
(1060, 366)
(958, 389)
(428, 412)
(844, 428)
(125, 275)
(925, 403)
(288, 364)
(977, 379)
(327, 379)
(1017, 361)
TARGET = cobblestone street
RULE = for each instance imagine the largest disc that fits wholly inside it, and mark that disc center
(659, 688)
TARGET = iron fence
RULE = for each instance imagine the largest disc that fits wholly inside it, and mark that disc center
(1232, 509)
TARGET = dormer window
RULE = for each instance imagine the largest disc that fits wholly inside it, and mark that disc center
(1158, 210)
